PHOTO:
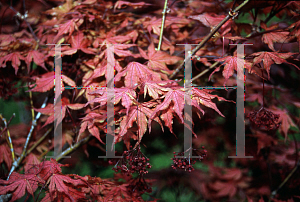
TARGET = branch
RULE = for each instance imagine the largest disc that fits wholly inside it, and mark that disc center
(205, 71)
(17, 162)
(8, 134)
(230, 15)
(162, 24)
(72, 148)
(38, 142)
(273, 194)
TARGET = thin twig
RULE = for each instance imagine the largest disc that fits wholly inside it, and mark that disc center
(273, 194)
(162, 24)
(8, 134)
(38, 142)
(230, 15)
(205, 71)
(17, 162)
(31, 104)
(72, 148)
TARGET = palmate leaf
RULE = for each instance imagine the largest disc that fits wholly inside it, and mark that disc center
(136, 73)
(157, 60)
(269, 58)
(49, 110)
(231, 64)
(274, 37)
(15, 59)
(18, 184)
(46, 82)
(174, 99)
(65, 186)
(139, 114)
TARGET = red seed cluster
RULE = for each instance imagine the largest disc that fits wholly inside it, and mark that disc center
(186, 163)
(133, 161)
(265, 118)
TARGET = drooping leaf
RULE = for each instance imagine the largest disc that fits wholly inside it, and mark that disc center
(46, 82)
(37, 57)
(274, 37)
(269, 58)
(231, 64)
(15, 59)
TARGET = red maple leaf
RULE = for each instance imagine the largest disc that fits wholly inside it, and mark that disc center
(139, 114)
(154, 88)
(269, 58)
(78, 42)
(231, 64)
(18, 184)
(65, 104)
(65, 186)
(157, 60)
(37, 57)
(90, 121)
(136, 73)
(30, 162)
(212, 20)
(68, 27)
(46, 82)
(48, 168)
(275, 36)
(123, 94)
(15, 59)
(285, 119)
(154, 24)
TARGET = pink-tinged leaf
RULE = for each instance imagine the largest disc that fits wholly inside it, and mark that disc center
(136, 73)
(122, 94)
(89, 122)
(46, 82)
(167, 116)
(140, 115)
(43, 83)
(204, 98)
(76, 106)
(68, 27)
(68, 81)
(49, 110)
(176, 97)
(231, 64)
(37, 57)
(285, 119)
(269, 58)
(15, 59)
(154, 89)
(78, 42)
(157, 60)
(95, 132)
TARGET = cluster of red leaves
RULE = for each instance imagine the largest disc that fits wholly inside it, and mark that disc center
(64, 187)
